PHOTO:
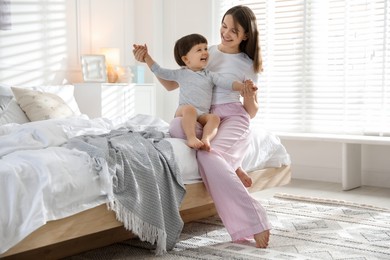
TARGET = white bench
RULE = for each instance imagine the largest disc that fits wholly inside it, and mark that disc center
(351, 152)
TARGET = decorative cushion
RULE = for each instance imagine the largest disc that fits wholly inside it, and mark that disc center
(40, 105)
(11, 112)
(66, 92)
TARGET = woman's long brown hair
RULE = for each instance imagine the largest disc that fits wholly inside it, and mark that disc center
(245, 17)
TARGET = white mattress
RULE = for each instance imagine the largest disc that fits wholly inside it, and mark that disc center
(264, 151)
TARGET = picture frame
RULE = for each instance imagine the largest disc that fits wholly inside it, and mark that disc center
(94, 68)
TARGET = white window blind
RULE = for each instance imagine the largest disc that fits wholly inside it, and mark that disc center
(36, 46)
(326, 65)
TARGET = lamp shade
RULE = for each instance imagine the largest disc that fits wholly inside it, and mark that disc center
(112, 56)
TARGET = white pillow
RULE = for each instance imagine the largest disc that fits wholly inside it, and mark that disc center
(5, 90)
(4, 100)
(66, 92)
(11, 112)
(40, 105)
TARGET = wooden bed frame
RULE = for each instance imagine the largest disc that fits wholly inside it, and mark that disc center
(98, 227)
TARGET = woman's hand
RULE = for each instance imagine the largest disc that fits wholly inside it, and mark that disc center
(139, 52)
(249, 93)
(250, 89)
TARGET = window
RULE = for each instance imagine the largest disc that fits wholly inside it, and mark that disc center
(36, 46)
(326, 65)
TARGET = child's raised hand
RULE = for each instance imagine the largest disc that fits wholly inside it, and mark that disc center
(140, 52)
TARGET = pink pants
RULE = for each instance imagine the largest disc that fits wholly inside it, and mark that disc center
(241, 214)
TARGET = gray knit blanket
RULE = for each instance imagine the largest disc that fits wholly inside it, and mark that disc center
(147, 186)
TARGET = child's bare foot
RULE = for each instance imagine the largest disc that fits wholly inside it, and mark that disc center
(206, 145)
(194, 143)
(244, 177)
(262, 239)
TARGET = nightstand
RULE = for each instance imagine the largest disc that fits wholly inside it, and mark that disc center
(112, 100)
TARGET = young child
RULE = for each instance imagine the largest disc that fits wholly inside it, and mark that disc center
(196, 84)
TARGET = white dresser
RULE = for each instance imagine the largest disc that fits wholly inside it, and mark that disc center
(112, 100)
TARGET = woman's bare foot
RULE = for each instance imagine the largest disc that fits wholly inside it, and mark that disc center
(244, 177)
(206, 145)
(194, 143)
(262, 239)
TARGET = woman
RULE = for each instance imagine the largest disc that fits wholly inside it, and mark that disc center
(238, 57)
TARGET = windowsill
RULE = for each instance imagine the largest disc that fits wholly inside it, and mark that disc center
(351, 139)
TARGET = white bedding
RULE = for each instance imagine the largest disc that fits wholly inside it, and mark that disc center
(42, 181)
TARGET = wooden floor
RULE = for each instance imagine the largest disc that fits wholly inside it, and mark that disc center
(376, 196)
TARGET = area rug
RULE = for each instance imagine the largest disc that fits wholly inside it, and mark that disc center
(303, 228)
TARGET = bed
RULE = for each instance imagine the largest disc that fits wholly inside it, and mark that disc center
(54, 198)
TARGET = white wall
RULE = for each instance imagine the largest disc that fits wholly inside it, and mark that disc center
(106, 24)
(41, 51)
(316, 160)
(160, 24)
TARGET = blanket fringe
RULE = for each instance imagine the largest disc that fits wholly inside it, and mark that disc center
(144, 230)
